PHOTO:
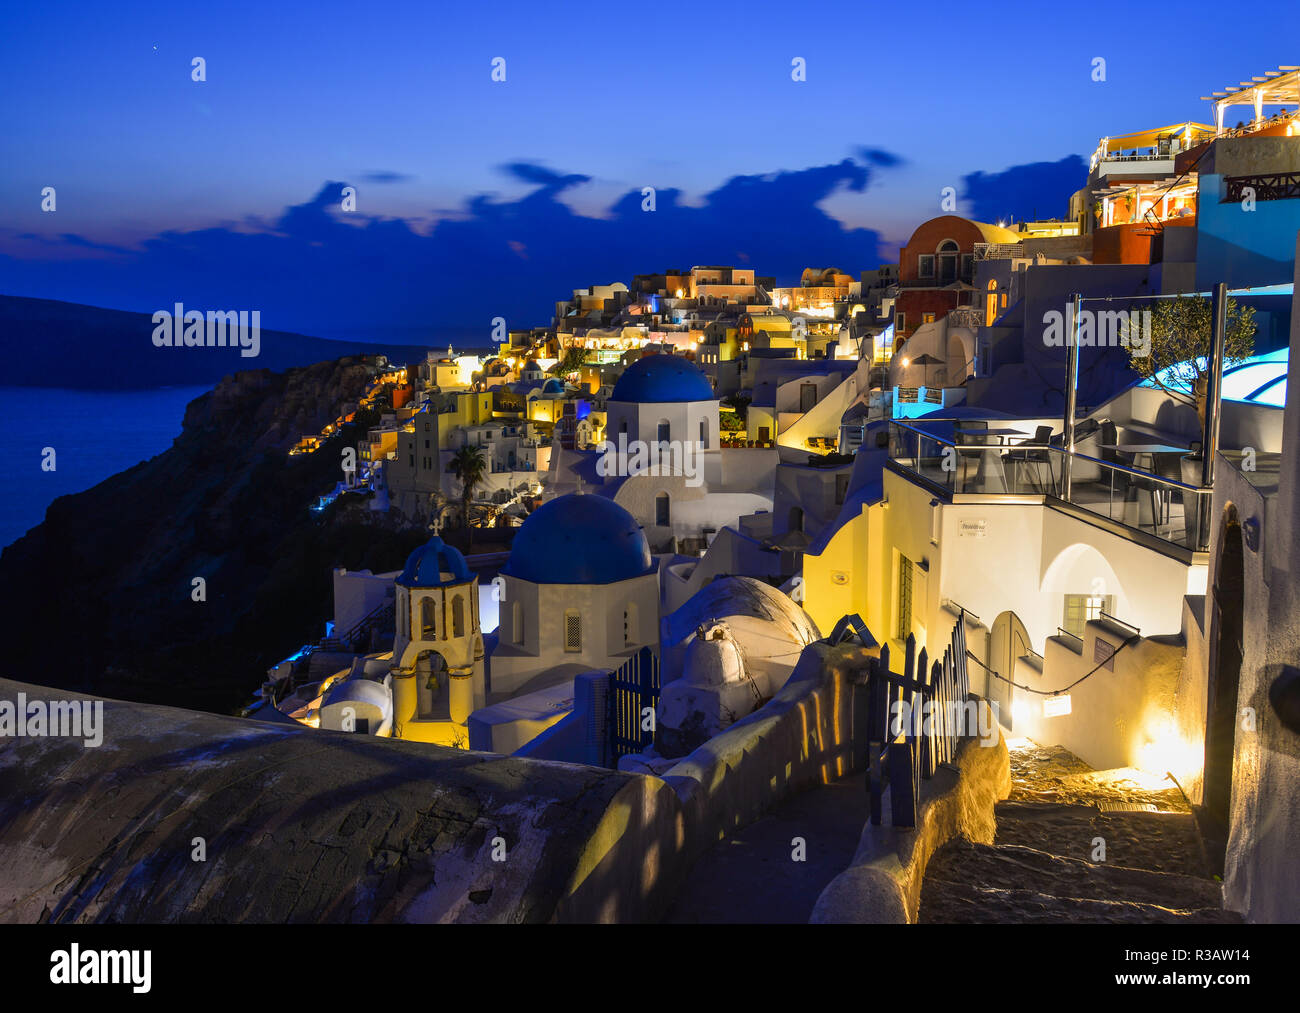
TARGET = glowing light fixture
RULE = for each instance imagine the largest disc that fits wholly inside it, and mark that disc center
(1056, 706)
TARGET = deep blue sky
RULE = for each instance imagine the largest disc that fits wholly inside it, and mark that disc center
(170, 189)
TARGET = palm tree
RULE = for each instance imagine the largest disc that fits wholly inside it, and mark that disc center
(468, 464)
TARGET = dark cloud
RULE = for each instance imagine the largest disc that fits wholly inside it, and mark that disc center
(880, 158)
(1025, 192)
(317, 270)
(385, 177)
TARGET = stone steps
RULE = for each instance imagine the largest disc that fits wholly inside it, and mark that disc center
(968, 882)
(1058, 856)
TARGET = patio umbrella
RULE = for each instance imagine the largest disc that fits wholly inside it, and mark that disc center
(925, 360)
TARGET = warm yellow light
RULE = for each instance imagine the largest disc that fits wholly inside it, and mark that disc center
(679, 293)
(907, 362)
(1164, 750)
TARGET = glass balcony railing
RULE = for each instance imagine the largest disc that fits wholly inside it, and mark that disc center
(1008, 463)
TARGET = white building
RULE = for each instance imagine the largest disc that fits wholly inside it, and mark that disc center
(580, 593)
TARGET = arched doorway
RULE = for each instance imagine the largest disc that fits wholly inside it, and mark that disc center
(1008, 641)
(1225, 649)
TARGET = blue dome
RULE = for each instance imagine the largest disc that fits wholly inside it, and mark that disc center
(662, 379)
(579, 539)
(427, 564)
(553, 386)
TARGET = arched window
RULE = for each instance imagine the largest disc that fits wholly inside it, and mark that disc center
(428, 608)
(572, 631)
(662, 513)
(991, 304)
(458, 616)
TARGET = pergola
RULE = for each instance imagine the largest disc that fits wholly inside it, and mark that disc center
(1274, 87)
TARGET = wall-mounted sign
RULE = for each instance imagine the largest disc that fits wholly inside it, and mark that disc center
(974, 528)
(1056, 706)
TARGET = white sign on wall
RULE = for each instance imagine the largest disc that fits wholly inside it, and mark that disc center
(974, 528)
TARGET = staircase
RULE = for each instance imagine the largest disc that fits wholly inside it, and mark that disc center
(377, 620)
(1046, 863)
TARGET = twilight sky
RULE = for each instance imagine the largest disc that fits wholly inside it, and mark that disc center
(226, 191)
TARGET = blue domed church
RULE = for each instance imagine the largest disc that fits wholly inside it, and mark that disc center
(662, 460)
(580, 592)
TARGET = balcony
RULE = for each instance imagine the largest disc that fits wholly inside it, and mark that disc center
(1118, 497)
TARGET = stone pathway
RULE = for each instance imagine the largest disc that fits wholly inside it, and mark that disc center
(1045, 863)
(751, 877)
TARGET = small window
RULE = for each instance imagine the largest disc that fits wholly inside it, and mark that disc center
(572, 632)
(704, 434)
(925, 265)
(665, 430)
(927, 318)
(662, 510)
(900, 322)
(517, 615)
(458, 616)
(630, 633)
(1082, 608)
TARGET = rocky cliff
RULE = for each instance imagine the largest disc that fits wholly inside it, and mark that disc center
(99, 597)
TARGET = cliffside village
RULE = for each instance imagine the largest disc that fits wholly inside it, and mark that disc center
(995, 434)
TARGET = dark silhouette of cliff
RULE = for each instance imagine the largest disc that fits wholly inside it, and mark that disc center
(98, 597)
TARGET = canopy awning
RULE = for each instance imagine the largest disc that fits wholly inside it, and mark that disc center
(1191, 132)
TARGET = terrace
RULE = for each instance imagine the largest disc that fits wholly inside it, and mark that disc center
(1144, 491)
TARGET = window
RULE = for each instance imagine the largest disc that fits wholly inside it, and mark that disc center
(900, 322)
(704, 434)
(947, 254)
(664, 431)
(517, 622)
(807, 396)
(630, 633)
(662, 513)
(927, 318)
(967, 267)
(904, 597)
(458, 616)
(572, 631)
(1081, 608)
(428, 628)
(925, 265)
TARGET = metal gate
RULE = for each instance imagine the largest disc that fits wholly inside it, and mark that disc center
(633, 687)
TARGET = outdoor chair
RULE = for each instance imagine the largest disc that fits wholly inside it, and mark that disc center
(1028, 453)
